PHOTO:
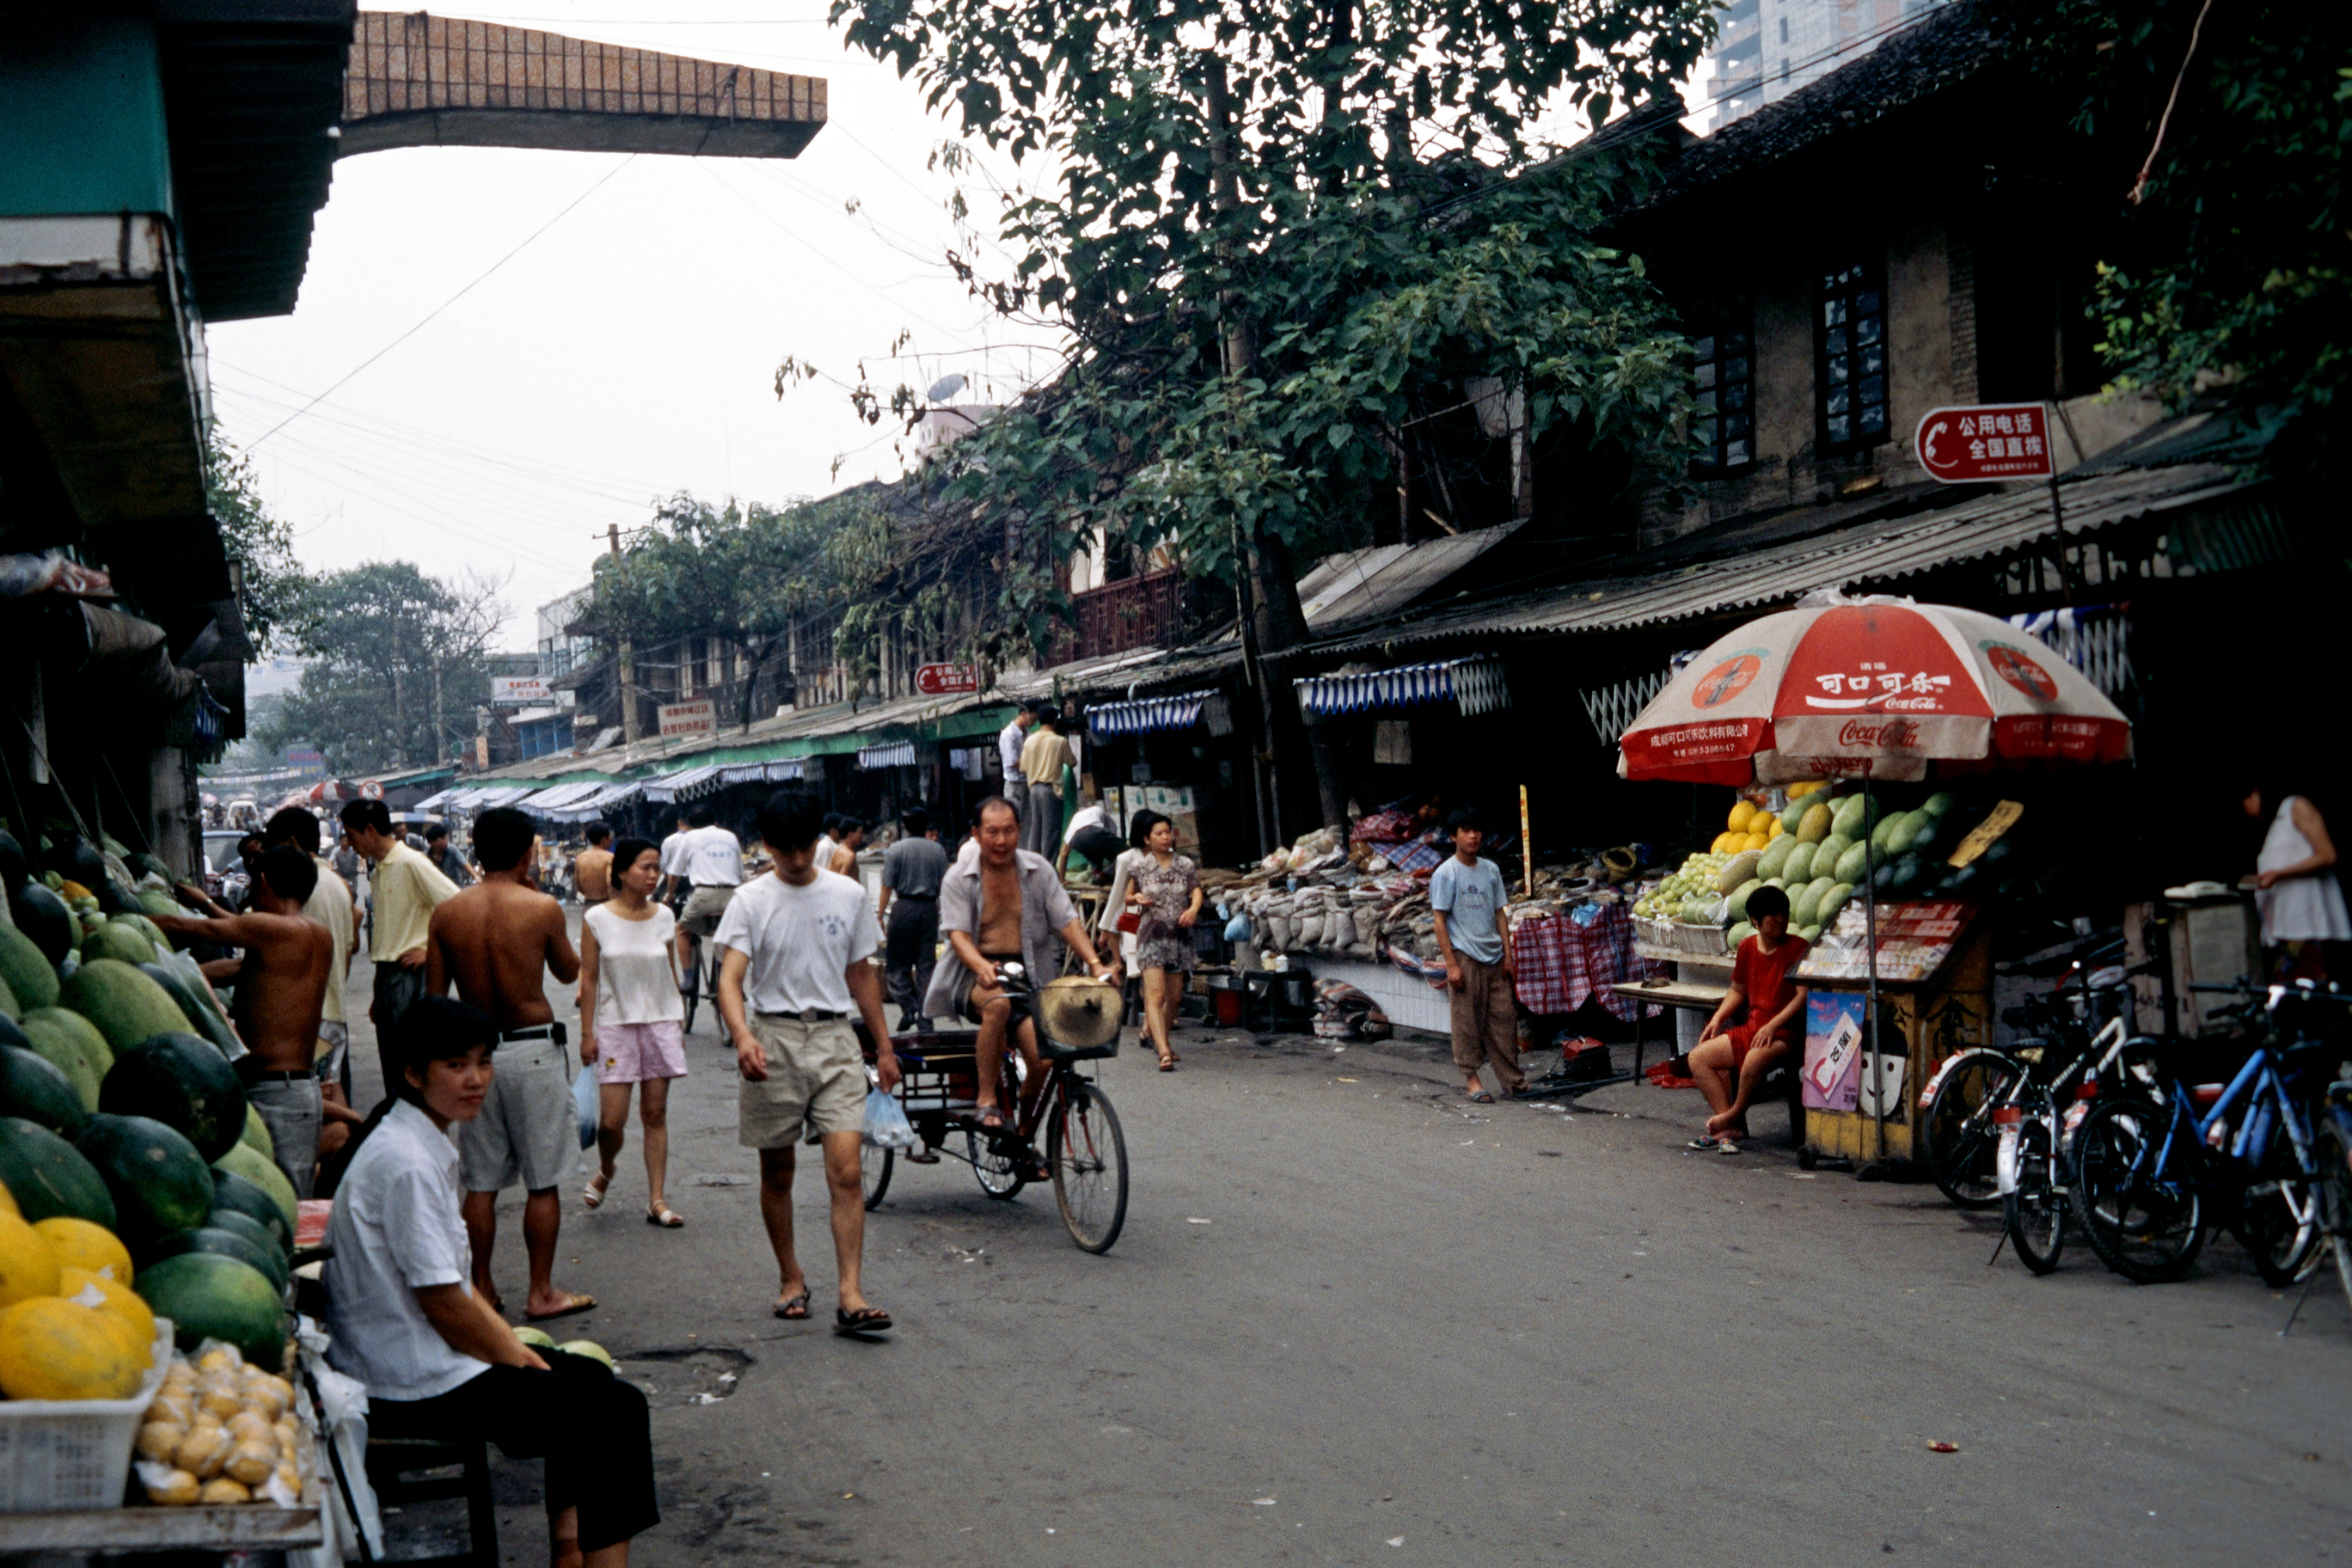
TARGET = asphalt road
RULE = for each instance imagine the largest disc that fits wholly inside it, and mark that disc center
(1354, 1319)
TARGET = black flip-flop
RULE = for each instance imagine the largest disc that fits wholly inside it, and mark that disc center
(1482, 1098)
(865, 1321)
(795, 1310)
(997, 1125)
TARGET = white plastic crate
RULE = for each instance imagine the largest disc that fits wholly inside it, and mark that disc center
(63, 1454)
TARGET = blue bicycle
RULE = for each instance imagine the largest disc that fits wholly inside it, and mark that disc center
(2153, 1178)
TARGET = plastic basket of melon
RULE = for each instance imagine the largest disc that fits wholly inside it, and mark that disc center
(153, 1217)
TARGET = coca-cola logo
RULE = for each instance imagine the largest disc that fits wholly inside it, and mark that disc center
(2013, 666)
(1727, 680)
(1887, 734)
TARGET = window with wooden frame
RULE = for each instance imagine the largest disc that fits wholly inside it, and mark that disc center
(1850, 357)
(1723, 335)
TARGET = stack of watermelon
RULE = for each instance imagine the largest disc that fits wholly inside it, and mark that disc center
(119, 1105)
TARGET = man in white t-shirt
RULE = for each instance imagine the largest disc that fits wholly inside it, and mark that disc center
(796, 950)
(673, 866)
(710, 860)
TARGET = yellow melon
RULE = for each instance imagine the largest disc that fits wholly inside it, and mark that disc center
(1742, 813)
(117, 1300)
(79, 1244)
(51, 1348)
(8, 1202)
(28, 1264)
(1755, 841)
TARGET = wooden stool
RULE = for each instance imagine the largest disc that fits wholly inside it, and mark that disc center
(404, 1470)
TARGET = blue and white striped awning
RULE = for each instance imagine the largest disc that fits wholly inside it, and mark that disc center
(889, 754)
(496, 795)
(785, 770)
(438, 797)
(557, 796)
(1147, 715)
(742, 773)
(691, 785)
(1474, 685)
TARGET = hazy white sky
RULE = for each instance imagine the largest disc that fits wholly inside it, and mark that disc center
(629, 351)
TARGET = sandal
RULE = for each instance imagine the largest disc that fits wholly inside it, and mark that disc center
(1482, 1098)
(865, 1321)
(993, 1120)
(1168, 1062)
(793, 1308)
(592, 1194)
(661, 1214)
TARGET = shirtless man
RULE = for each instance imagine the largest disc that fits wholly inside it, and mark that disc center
(495, 939)
(591, 869)
(281, 988)
(1003, 903)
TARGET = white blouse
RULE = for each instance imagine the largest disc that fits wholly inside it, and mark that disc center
(635, 981)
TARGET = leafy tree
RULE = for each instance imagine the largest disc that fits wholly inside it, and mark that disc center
(743, 572)
(2225, 130)
(397, 666)
(1279, 235)
(274, 579)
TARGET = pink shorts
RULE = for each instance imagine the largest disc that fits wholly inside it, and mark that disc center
(632, 1053)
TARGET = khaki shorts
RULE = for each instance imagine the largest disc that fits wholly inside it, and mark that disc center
(815, 1083)
(529, 1130)
(703, 908)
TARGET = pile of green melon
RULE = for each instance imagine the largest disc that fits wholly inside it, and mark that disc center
(1827, 848)
(119, 1105)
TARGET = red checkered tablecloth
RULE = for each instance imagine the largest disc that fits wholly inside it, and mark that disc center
(1562, 963)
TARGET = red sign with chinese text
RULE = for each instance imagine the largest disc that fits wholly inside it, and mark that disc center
(946, 679)
(1972, 444)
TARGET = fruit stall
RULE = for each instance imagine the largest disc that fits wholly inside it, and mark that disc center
(146, 1236)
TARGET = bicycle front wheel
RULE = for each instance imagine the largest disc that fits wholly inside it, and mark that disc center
(2332, 1151)
(1088, 1152)
(1959, 1134)
(2146, 1225)
(2278, 1214)
(877, 1165)
(2036, 1207)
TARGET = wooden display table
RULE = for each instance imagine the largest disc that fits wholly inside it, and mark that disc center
(1688, 996)
(245, 1527)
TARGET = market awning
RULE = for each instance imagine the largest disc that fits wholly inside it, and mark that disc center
(557, 796)
(889, 754)
(1474, 685)
(1147, 715)
(513, 795)
(440, 797)
(691, 785)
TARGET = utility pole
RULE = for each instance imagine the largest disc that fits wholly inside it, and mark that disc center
(440, 733)
(399, 708)
(628, 667)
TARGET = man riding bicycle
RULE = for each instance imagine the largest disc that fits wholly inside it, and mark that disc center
(1003, 905)
(710, 861)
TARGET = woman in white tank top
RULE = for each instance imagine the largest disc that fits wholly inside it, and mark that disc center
(2300, 901)
(632, 1020)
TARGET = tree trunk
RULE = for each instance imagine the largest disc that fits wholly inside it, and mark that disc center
(1278, 619)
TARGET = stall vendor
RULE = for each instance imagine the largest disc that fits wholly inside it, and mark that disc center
(1731, 1059)
(437, 1361)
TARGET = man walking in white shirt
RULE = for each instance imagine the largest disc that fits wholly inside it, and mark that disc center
(1009, 742)
(795, 951)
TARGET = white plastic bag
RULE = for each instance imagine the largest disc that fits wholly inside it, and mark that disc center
(886, 1126)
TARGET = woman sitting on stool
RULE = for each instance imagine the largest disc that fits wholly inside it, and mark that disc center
(437, 1361)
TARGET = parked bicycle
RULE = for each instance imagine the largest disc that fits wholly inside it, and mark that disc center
(2153, 1178)
(2333, 1152)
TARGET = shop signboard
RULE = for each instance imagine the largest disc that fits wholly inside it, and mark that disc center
(520, 691)
(700, 717)
(1969, 444)
(946, 679)
(308, 760)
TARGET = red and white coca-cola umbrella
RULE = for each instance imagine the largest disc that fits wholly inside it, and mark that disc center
(1870, 689)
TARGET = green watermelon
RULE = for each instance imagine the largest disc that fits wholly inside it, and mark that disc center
(265, 1237)
(208, 1296)
(221, 1242)
(159, 1181)
(232, 1194)
(1799, 866)
(1846, 819)
(47, 1177)
(10, 1009)
(1910, 876)
(1736, 907)
(86, 1039)
(1937, 803)
(36, 1088)
(126, 1006)
(60, 1050)
(263, 1172)
(119, 939)
(1738, 933)
(1907, 827)
(1850, 866)
(1796, 812)
(182, 1082)
(202, 1017)
(43, 919)
(1775, 856)
(256, 1135)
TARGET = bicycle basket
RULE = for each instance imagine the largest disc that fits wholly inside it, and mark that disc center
(1078, 1018)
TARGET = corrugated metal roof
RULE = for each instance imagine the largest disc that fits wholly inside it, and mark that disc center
(1883, 552)
(1359, 585)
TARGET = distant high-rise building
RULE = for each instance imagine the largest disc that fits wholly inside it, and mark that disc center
(1767, 50)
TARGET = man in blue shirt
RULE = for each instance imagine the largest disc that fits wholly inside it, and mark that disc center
(1468, 895)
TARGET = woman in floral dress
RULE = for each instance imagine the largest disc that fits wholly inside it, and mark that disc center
(1164, 889)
